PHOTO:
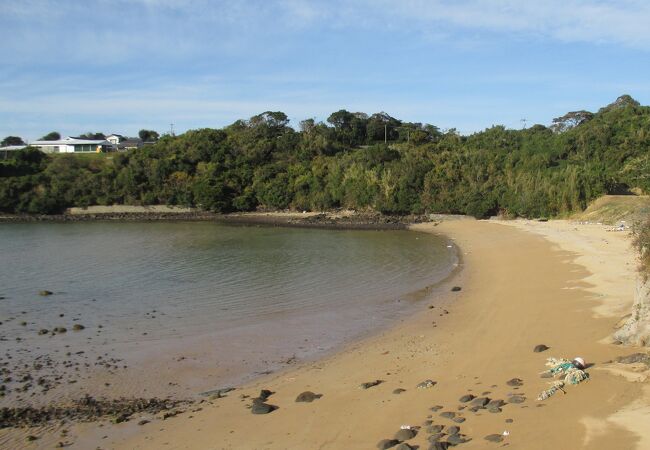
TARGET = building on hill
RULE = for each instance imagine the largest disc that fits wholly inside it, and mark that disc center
(74, 145)
(129, 144)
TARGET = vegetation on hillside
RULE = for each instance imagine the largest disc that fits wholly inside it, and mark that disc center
(264, 163)
(642, 242)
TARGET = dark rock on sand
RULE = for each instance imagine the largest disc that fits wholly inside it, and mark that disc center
(404, 446)
(515, 382)
(78, 327)
(370, 384)
(494, 409)
(387, 443)
(459, 419)
(456, 289)
(540, 348)
(481, 401)
(436, 408)
(455, 439)
(43, 331)
(453, 430)
(448, 414)
(217, 393)
(265, 394)
(493, 438)
(426, 384)
(262, 408)
(495, 404)
(45, 293)
(466, 398)
(399, 391)
(439, 446)
(634, 358)
(405, 435)
(433, 429)
(308, 397)
(59, 330)
(143, 422)
(517, 399)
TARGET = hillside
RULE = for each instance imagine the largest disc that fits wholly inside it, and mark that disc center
(612, 209)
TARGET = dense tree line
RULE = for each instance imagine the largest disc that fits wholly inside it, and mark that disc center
(353, 161)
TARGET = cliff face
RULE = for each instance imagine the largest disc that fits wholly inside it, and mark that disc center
(636, 330)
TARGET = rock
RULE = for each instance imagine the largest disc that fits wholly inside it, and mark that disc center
(262, 408)
(404, 446)
(31, 438)
(517, 399)
(265, 394)
(459, 419)
(634, 358)
(143, 422)
(481, 401)
(43, 331)
(426, 384)
(493, 438)
(45, 293)
(387, 443)
(370, 384)
(436, 408)
(455, 439)
(23, 324)
(308, 397)
(124, 417)
(495, 404)
(540, 348)
(515, 382)
(467, 398)
(78, 327)
(59, 330)
(456, 289)
(433, 429)
(439, 446)
(448, 414)
(399, 391)
(405, 435)
(509, 420)
(217, 393)
(453, 430)
(494, 409)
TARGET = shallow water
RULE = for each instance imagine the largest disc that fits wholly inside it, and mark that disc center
(239, 299)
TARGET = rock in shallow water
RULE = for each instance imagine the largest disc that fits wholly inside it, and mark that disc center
(540, 348)
(466, 398)
(399, 391)
(515, 382)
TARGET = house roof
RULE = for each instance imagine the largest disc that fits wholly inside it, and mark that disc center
(72, 141)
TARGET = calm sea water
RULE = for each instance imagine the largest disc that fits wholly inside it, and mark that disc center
(261, 291)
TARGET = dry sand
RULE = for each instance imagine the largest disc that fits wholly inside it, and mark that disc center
(523, 284)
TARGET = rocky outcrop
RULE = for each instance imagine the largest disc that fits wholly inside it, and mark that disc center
(636, 330)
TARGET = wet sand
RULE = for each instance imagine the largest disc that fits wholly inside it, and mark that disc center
(523, 284)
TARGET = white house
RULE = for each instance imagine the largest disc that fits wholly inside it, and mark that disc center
(115, 138)
(74, 145)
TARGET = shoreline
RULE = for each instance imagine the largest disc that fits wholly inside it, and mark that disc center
(413, 351)
(350, 220)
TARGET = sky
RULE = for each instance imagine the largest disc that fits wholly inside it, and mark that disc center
(118, 66)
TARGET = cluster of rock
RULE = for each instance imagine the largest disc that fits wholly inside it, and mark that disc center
(636, 329)
(87, 409)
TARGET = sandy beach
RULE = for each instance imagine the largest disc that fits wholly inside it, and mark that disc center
(522, 284)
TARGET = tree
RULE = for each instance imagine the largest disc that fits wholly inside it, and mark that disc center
(571, 120)
(93, 136)
(148, 135)
(11, 140)
(51, 136)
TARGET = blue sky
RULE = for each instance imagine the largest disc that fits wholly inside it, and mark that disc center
(122, 65)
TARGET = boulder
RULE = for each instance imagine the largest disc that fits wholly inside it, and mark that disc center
(405, 435)
(387, 443)
(308, 397)
(540, 348)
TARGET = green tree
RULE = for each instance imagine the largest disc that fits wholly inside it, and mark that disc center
(51, 136)
(12, 140)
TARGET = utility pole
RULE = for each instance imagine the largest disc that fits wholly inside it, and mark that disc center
(171, 129)
(385, 133)
(524, 122)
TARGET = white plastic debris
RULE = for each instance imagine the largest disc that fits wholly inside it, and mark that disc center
(405, 427)
(505, 433)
